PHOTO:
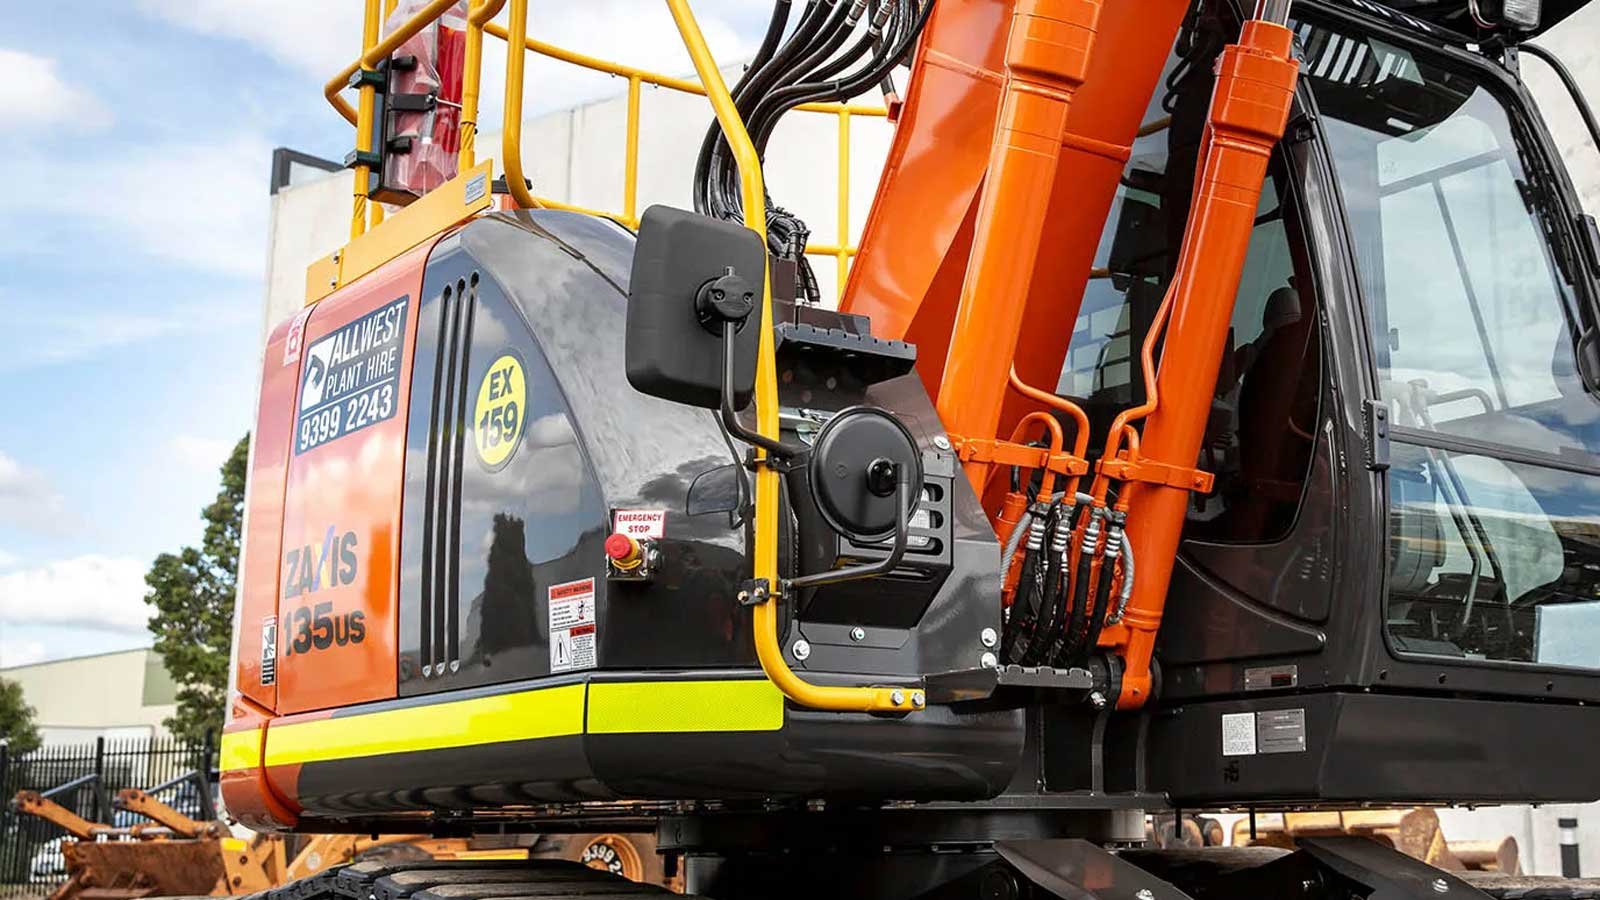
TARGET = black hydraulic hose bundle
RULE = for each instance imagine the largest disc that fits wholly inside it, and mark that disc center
(821, 59)
(1023, 620)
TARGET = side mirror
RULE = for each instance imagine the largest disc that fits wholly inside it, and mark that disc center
(1588, 352)
(692, 276)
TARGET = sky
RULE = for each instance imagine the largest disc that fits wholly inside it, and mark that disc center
(135, 148)
(135, 142)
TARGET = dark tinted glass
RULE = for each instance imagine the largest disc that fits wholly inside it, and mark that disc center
(1263, 417)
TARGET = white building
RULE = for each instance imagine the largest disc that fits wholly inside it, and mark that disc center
(121, 695)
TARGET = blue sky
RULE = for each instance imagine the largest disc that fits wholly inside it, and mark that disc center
(135, 141)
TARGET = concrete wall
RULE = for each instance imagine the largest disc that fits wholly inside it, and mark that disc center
(117, 695)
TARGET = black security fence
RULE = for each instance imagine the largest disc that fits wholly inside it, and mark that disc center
(84, 778)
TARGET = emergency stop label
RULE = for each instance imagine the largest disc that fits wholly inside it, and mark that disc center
(572, 626)
(351, 378)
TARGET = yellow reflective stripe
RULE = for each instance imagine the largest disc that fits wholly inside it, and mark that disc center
(240, 750)
(634, 707)
(544, 713)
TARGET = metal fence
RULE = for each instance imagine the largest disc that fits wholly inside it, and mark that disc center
(85, 779)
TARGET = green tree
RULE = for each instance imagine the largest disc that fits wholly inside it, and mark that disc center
(16, 719)
(192, 594)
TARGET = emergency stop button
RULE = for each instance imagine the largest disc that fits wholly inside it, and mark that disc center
(623, 551)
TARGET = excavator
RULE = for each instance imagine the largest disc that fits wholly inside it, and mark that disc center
(1210, 421)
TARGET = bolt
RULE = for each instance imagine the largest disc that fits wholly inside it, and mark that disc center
(989, 638)
(333, 282)
(858, 633)
(1440, 886)
(919, 699)
(802, 650)
(897, 697)
(941, 442)
(1145, 894)
(1097, 700)
(988, 660)
(744, 597)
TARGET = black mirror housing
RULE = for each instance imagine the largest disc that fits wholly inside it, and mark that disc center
(672, 351)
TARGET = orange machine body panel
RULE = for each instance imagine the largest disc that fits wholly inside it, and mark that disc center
(915, 247)
(338, 579)
(263, 528)
(913, 253)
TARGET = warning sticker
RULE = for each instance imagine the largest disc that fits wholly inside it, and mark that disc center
(1281, 731)
(572, 626)
(640, 523)
(296, 337)
(1239, 734)
(1268, 731)
(351, 378)
(269, 650)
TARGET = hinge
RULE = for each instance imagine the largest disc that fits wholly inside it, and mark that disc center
(1302, 127)
(1377, 436)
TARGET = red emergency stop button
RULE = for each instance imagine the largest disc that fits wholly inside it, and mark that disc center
(623, 551)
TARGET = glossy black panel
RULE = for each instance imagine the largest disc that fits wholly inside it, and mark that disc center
(1377, 748)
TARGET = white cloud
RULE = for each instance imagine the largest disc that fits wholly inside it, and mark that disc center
(94, 592)
(53, 337)
(198, 452)
(21, 652)
(28, 499)
(314, 36)
(32, 93)
(201, 204)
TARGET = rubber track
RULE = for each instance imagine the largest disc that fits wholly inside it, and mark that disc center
(548, 879)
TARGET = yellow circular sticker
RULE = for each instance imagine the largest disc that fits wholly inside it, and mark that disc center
(498, 416)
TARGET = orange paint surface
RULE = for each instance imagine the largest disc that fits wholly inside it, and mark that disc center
(338, 584)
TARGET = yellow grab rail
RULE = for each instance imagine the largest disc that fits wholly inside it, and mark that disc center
(840, 250)
(479, 23)
(797, 689)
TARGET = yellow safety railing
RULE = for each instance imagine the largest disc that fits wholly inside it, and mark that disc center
(479, 23)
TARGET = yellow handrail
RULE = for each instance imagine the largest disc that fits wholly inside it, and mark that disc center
(840, 250)
(478, 15)
(479, 23)
(797, 689)
(511, 128)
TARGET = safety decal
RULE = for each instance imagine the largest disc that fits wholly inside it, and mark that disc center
(1264, 732)
(640, 523)
(269, 650)
(351, 378)
(499, 414)
(296, 337)
(572, 626)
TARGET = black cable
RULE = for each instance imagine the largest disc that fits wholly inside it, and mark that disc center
(768, 59)
(723, 202)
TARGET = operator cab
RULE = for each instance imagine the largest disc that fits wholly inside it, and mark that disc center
(1404, 372)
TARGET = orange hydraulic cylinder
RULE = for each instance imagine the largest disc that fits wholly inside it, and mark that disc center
(1047, 58)
(1249, 109)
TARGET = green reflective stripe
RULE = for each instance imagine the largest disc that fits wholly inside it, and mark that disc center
(676, 707)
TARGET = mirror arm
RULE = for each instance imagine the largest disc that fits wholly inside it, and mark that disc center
(902, 533)
(730, 416)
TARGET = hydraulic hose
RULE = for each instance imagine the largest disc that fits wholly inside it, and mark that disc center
(1127, 580)
(1102, 591)
(755, 82)
(1020, 627)
(1058, 579)
(882, 64)
(1082, 621)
